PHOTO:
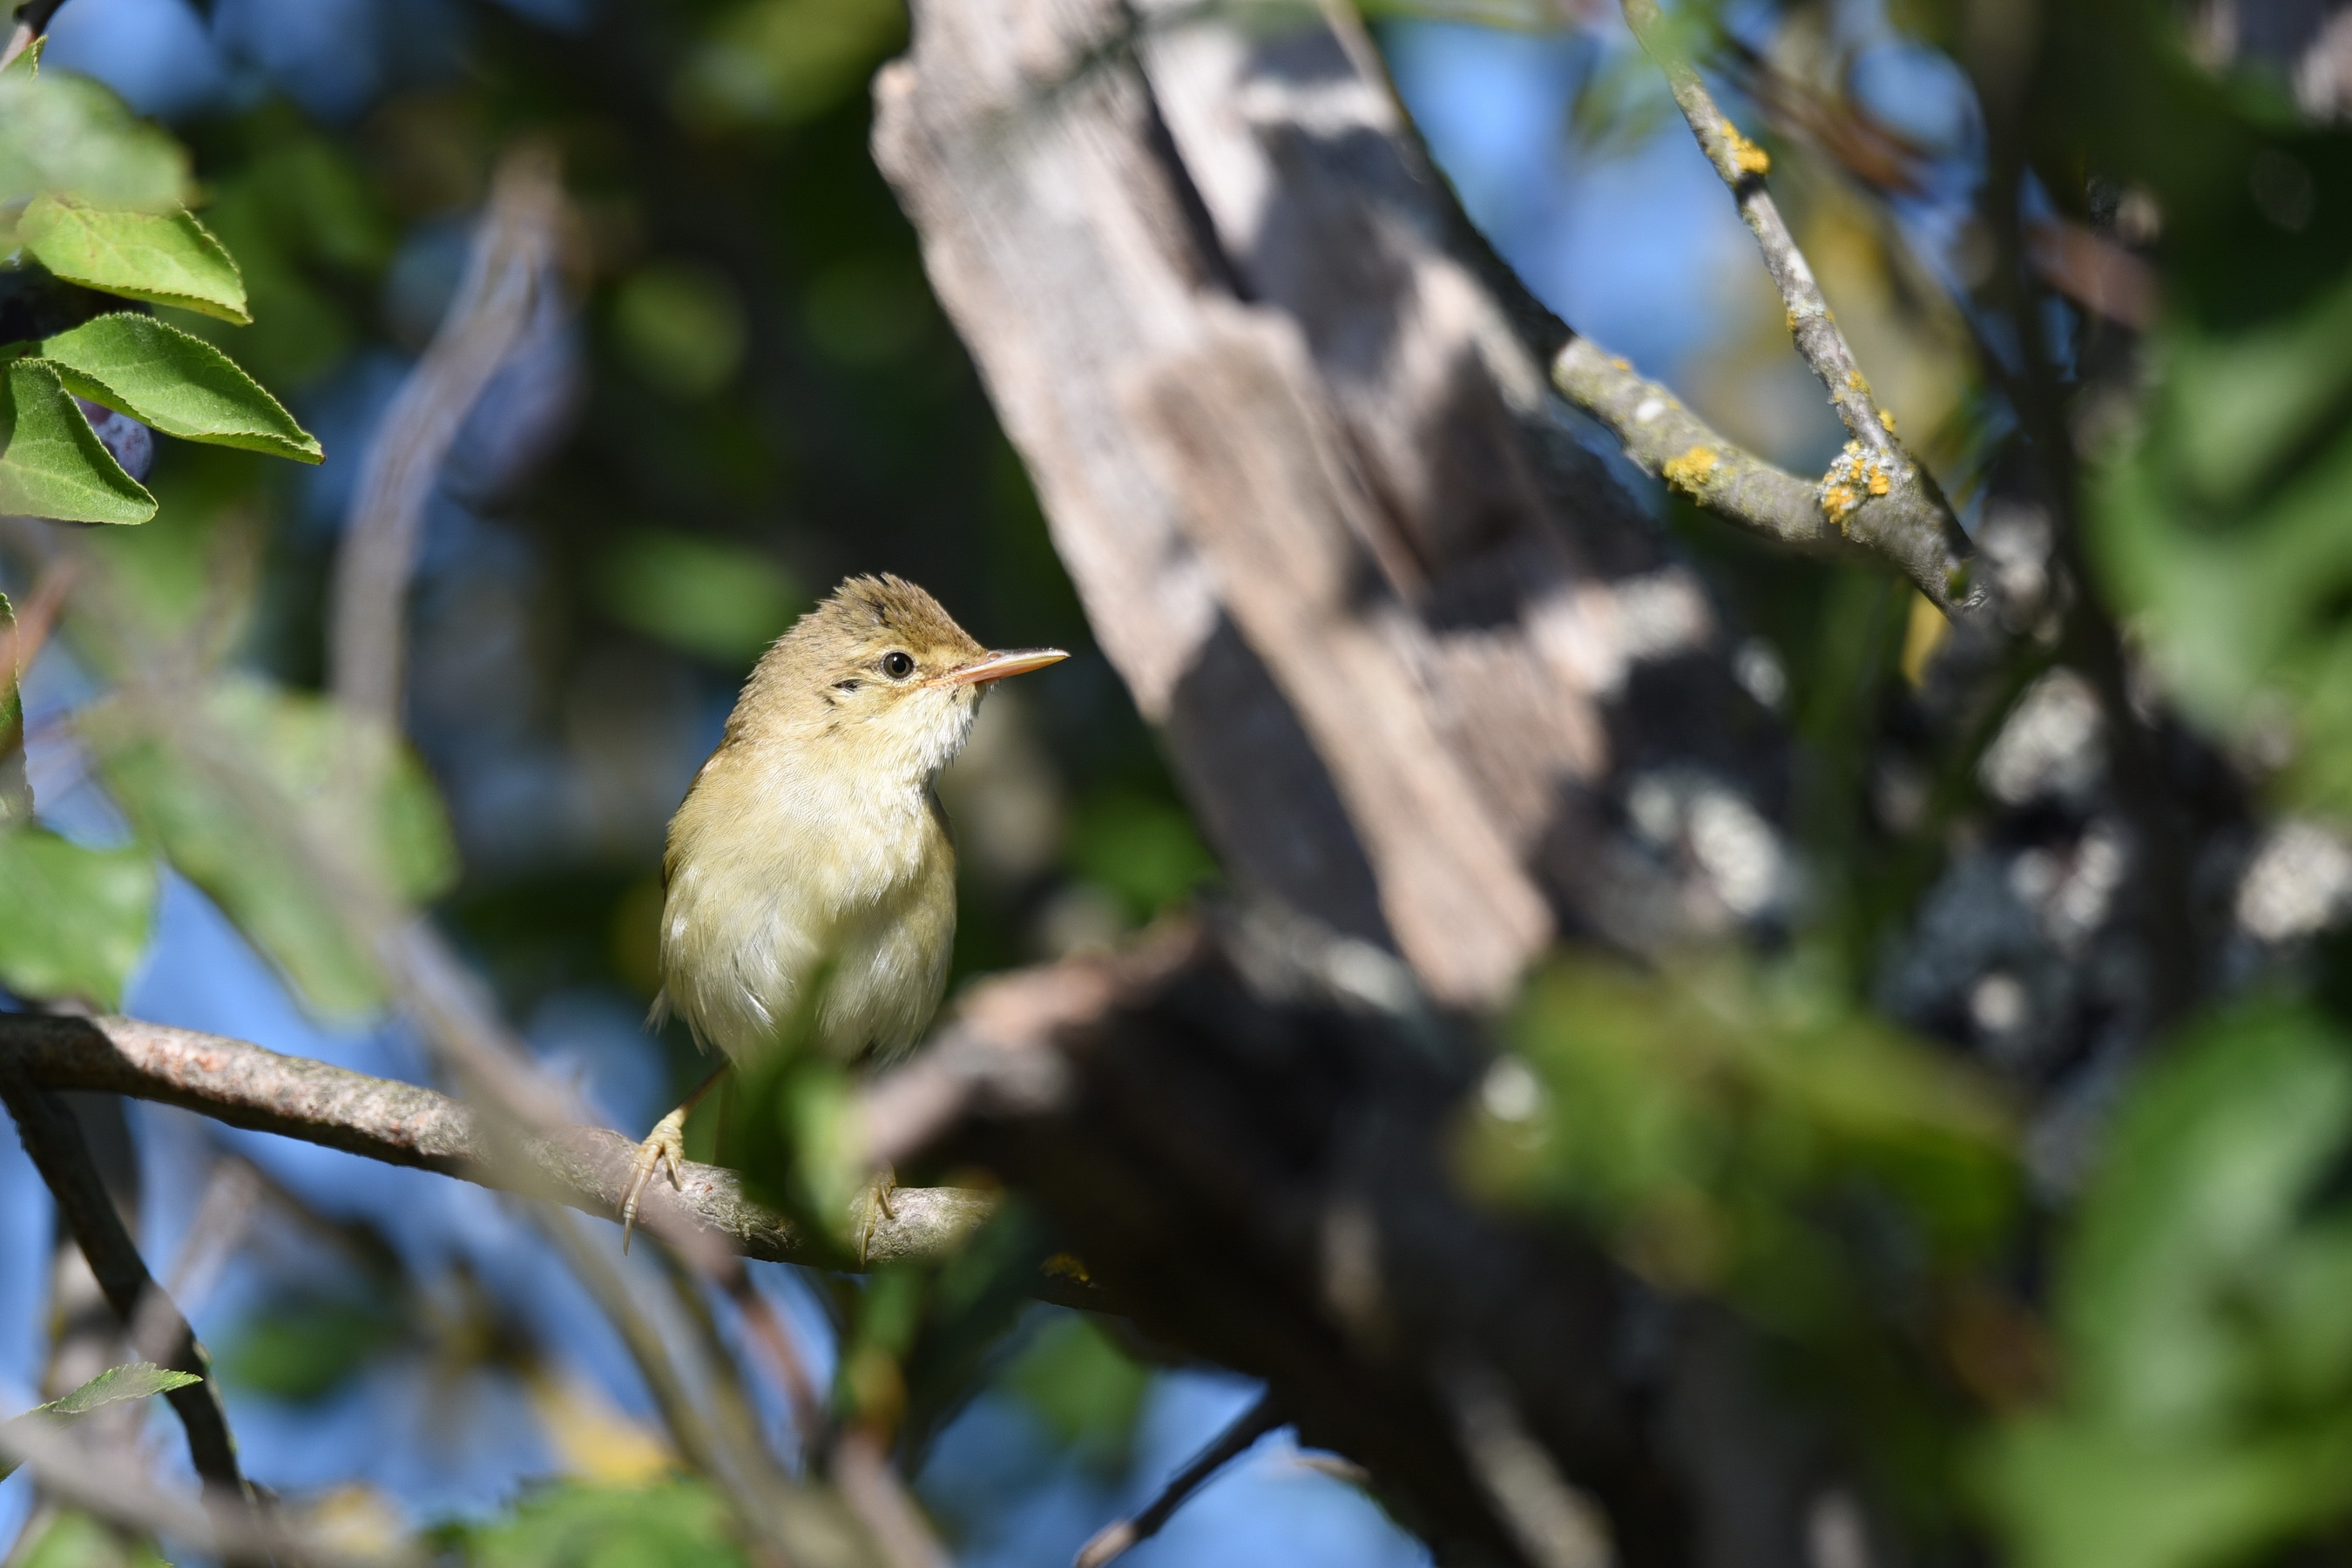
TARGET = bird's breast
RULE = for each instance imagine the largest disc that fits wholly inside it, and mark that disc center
(777, 882)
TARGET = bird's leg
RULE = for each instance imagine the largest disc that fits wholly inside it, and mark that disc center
(665, 1141)
(873, 1205)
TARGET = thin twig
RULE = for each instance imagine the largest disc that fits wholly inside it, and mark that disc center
(1229, 1445)
(22, 633)
(58, 1152)
(585, 1168)
(1665, 438)
(66, 1471)
(510, 264)
(1875, 493)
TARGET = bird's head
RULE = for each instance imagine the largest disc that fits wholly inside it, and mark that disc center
(881, 677)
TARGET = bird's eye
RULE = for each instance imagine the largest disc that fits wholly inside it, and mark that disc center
(898, 666)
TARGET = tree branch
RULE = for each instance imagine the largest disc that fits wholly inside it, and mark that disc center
(585, 1168)
(54, 1139)
(1876, 492)
(512, 258)
(1665, 438)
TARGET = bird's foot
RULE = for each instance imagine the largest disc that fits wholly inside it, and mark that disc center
(667, 1142)
(873, 1207)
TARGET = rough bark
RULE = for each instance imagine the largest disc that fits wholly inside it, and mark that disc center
(1310, 483)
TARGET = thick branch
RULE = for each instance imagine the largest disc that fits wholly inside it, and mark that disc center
(586, 1168)
(1876, 492)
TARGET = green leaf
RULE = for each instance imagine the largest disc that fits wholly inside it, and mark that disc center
(267, 800)
(69, 136)
(15, 793)
(179, 384)
(27, 64)
(115, 1385)
(73, 921)
(167, 259)
(132, 1380)
(2201, 1299)
(52, 463)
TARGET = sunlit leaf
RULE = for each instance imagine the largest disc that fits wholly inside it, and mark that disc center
(277, 805)
(73, 921)
(65, 134)
(132, 1380)
(52, 463)
(167, 259)
(180, 385)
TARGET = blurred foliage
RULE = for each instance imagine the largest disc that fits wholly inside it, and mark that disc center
(1141, 847)
(305, 1345)
(677, 1523)
(723, 601)
(72, 1539)
(1722, 1124)
(2208, 1407)
(1087, 1391)
(291, 814)
(75, 920)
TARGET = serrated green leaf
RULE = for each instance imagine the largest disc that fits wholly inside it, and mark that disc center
(27, 64)
(132, 1380)
(259, 795)
(115, 1385)
(167, 259)
(179, 384)
(73, 921)
(68, 135)
(52, 463)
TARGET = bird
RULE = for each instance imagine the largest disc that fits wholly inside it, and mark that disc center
(812, 851)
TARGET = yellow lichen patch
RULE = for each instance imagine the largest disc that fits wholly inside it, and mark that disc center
(1854, 379)
(1621, 361)
(1850, 477)
(1746, 157)
(1687, 473)
(1791, 315)
(1886, 419)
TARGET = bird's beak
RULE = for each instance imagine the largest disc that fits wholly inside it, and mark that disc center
(1003, 662)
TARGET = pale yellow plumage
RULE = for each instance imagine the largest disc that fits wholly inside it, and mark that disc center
(812, 848)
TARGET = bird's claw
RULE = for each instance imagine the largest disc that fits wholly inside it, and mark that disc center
(667, 1142)
(873, 1204)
